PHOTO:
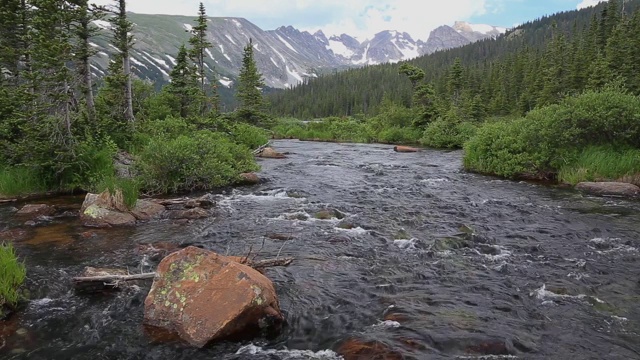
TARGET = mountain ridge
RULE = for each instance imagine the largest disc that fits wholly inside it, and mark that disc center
(285, 56)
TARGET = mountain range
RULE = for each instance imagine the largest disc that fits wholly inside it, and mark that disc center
(285, 56)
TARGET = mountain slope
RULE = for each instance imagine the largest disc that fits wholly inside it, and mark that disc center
(285, 56)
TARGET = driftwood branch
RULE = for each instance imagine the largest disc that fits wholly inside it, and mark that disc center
(262, 147)
(114, 278)
(262, 264)
(114, 281)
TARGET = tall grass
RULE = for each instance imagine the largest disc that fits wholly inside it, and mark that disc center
(130, 188)
(12, 275)
(20, 180)
(598, 163)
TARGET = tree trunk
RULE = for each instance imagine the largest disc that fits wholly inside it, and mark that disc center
(128, 93)
(88, 81)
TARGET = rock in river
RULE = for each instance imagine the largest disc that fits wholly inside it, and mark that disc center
(203, 297)
(609, 188)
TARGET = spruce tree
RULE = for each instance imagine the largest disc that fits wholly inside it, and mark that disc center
(123, 41)
(184, 83)
(84, 31)
(250, 83)
(199, 45)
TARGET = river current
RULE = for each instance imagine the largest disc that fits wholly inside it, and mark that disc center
(421, 256)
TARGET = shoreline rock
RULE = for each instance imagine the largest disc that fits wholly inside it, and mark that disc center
(405, 149)
(609, 188)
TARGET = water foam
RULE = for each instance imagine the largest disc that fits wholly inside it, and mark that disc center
(286, 354)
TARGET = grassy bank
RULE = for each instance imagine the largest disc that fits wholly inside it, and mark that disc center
(12, 275)
(20, 180)
(603, 163)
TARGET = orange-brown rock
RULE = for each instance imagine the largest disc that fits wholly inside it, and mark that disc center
(203, 297)
(405, 149)
(35, 210)
(354, 349)
(269, 153)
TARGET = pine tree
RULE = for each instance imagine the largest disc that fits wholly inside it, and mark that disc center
(84, 31)
(123, 41)
(184, 83)
(250, 82)
(199, 45)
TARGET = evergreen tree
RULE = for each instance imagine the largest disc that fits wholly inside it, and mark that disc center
(123, 41)
(84, 31)
(199, 45)
(250, 82)
(184, 83)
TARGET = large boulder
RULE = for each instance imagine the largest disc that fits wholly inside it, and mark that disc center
(105, 210)
(269, 153)
(609, 188)
(203, 297)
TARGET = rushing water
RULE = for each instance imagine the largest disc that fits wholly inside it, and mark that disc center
(460, 265)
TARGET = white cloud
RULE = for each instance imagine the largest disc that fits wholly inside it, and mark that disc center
(362, 18)
(587, 3)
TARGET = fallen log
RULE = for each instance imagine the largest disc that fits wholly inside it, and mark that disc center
(261, 147)
(106, 281)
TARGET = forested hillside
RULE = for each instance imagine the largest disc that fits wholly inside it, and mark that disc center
(534, 64)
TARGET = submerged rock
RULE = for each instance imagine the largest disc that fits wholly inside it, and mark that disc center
(354, 349)
(609, 188)
(35, 210)
(145, 210)
(202, 297)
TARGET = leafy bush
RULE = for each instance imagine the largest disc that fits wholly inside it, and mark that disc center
(550, 138)
(597, 163)
(398, 135)
(201, 160)
(12, 275)
(445, 134)
(248, 135)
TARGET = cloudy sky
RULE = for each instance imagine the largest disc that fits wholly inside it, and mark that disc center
(363, 18)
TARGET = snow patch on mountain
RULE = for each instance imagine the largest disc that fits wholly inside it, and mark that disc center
(172, 59)
(287, 43)
(188, 27)
(225, 82)
(102, 24)
(339, 48)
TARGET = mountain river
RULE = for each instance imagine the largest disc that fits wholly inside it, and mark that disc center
(428, 260)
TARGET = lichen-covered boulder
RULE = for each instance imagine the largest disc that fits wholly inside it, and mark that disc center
(203, 297)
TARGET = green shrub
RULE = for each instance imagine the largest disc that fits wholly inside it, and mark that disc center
(21, 180)
(248, 135)
(552, 137)
(598, 163)
(445, 134)
(201, 160)
(12, 275)
(398, 135)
